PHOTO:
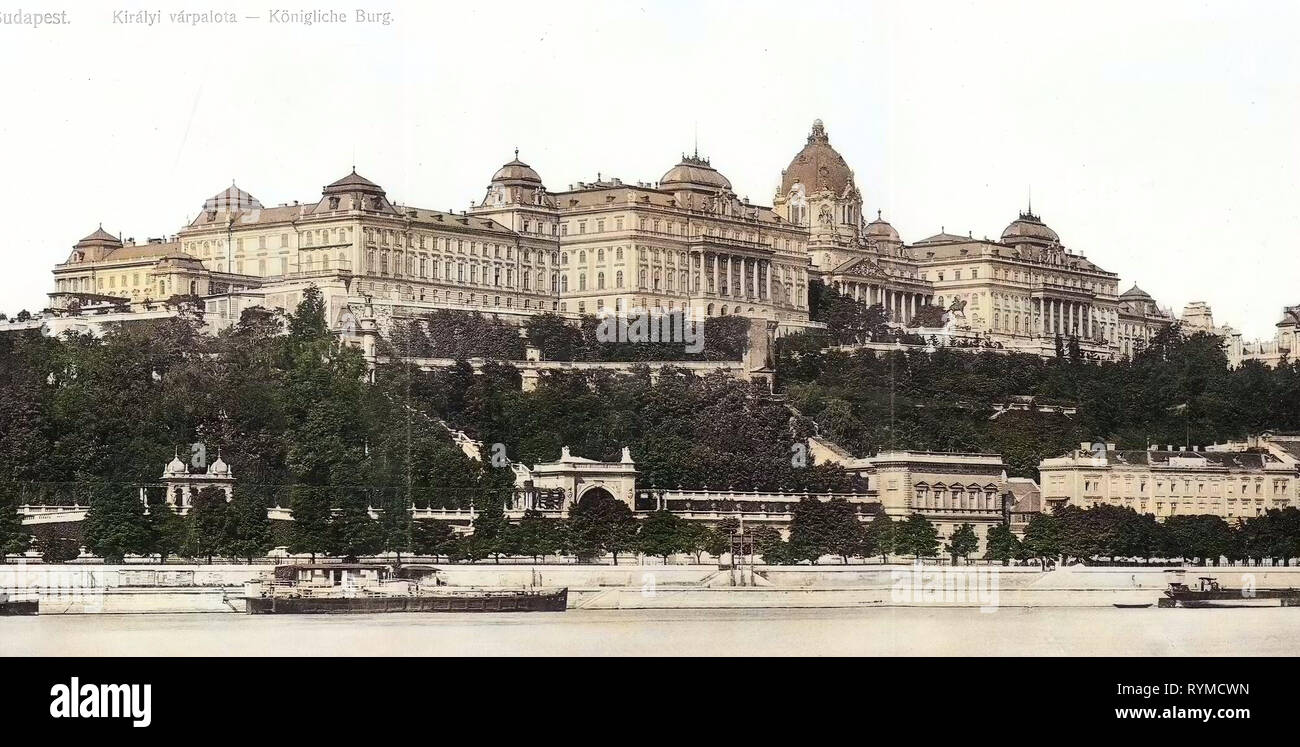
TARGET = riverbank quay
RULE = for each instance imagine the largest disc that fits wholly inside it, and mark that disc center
(218, 588)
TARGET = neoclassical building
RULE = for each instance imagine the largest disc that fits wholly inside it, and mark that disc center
(684, 242)
(1234, 481)
(1022, 290)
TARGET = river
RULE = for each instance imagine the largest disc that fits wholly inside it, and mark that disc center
(921, 631)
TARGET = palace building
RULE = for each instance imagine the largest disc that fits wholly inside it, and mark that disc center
(1233, 481)
(686, 242)
(1022, 290)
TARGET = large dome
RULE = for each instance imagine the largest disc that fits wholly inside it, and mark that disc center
(694, 172)
(880, 230)
(1028, 229)
(818, 166)
(517, 171)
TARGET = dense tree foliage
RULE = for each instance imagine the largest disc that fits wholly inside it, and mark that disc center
(1178, 390)
(684, 430)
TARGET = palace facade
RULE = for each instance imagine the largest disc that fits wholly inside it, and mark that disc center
(1022, 290)
(685, 242)
(1233, 481)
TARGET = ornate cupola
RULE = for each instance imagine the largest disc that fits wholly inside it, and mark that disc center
(95, 246)
(818, 189)
(1029, 229)
(515, 183)
(354, 193)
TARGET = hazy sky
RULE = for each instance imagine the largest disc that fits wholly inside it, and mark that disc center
(1159, 139)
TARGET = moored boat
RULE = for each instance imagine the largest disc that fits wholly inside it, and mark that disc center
(9, 606)
(334, 588)
(1209, 593)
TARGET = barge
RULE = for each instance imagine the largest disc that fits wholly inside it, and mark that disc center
(10, 606)
(336, 588)
(1208, 593)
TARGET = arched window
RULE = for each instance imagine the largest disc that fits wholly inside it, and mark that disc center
(582, 258)
(582, 281)
(600, 255)
(641, 278)
(564, 283)
(600, 281)
(618, 279)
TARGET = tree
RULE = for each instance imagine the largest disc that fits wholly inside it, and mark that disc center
(168, 532)
(14, 538)
(492, 535)
(353, 532)
(1043, 538)
(916, 536)
(310, 532)
(963, 542)
(769, 545)
(248, 529)
(1203, 537)
(432, 537)
(1003, 545)
(718, 541)
(698, 539)
(600, 523)
(115, 523)
(879, 537)
(395, 524)
(59, 549)
(209, 523)
(662, 533)
(536, 535)
(825, 528)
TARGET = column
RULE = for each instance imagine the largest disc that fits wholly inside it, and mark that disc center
(768, 281)
(755, 263)
(731, 287)
(716, 287)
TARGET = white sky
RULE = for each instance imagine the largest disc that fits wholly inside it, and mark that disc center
(1160, 139)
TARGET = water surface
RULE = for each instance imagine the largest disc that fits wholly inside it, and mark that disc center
(804, 632)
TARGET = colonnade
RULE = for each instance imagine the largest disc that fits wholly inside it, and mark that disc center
(902, 305)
